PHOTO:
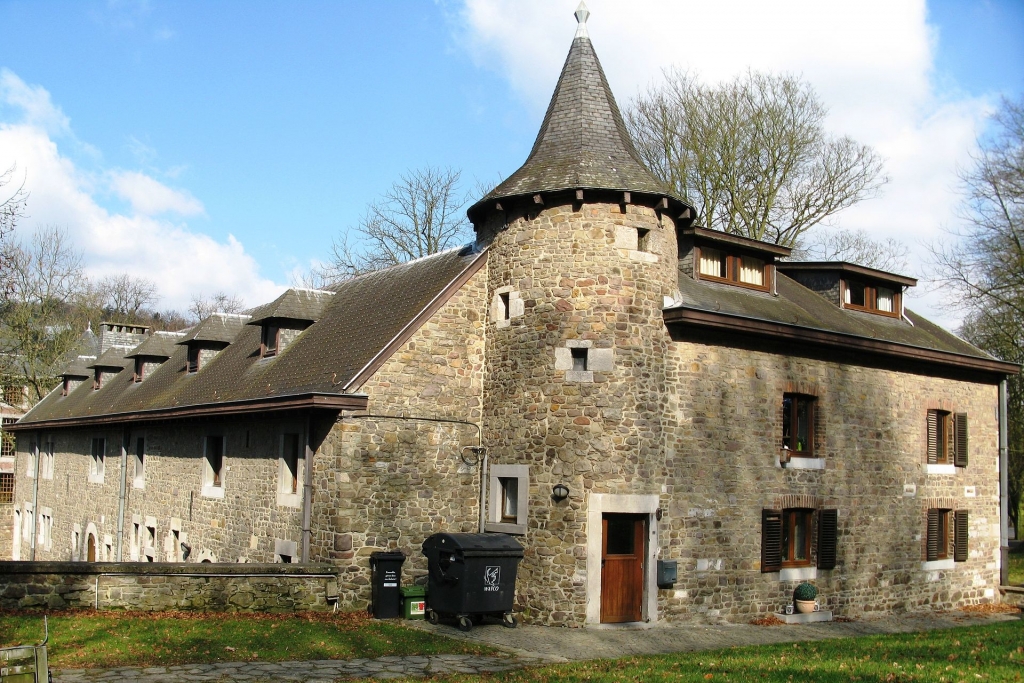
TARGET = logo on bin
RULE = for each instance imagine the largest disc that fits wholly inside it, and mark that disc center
(492, 577)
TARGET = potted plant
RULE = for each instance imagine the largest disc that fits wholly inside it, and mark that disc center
(803, 597)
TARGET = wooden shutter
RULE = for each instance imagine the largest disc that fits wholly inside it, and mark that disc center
(932, 552)
(771, 540)
(960, 439)
(960, 536)
(933, 437)
(828, 529)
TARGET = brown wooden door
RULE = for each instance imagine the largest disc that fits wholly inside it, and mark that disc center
(91, 548)
(622, 567)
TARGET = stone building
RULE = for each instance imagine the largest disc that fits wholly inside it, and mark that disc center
(595, 374)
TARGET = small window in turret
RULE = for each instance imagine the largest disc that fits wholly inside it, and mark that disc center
(505, 305)
(643, 239)
(579, 359)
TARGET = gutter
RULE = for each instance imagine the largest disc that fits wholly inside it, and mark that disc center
(311, 400)
(729, 322)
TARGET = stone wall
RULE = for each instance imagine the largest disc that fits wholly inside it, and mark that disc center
(241, 524)
(388, 484)
(157, 587)
(721, 468)
(584, 282)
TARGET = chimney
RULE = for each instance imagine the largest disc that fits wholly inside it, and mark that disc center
(121, 334)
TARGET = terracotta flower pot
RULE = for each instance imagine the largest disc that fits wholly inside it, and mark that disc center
(805, 606)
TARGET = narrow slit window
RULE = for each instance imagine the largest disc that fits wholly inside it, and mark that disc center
(579, 359)
(509, 499)
(643, 239)
(506, 305)
(271, 340)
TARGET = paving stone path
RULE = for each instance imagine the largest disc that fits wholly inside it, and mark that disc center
(319, 671)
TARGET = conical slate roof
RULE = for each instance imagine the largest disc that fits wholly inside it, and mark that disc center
(583, 142)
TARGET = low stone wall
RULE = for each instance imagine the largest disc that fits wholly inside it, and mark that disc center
(168, 586)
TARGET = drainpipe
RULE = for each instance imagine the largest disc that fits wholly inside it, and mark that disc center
(35, 499)
(307, 491)
(483, 492)
(125, 442)
(1004, 490)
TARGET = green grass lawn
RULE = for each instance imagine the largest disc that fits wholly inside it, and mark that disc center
(109, 639)
(979, 653)
(1017, 568)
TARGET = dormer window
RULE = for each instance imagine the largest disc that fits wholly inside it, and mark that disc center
(140, 368)
(734, 268)
(860, 295)
(193, 359)
(97, 380)
(271, 340)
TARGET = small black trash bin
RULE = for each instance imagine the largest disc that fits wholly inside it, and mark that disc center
(385, 584)
(472, 575)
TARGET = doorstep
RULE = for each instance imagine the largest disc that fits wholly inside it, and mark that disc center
(809, 618)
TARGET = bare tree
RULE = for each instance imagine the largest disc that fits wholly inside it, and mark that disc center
(203, 306)
(42, 314)
(127, 296)
(421, 214)
(855, 246)
(980, 264)
(12, 203)
(752, 155)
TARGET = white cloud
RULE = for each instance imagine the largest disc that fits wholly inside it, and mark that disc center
(33, 103)
(179, 259)
(870, 60)
(151, 197)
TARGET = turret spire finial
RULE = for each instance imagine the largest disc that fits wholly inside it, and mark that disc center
(581, 16)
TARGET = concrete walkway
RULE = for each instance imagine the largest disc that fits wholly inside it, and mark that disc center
(528, 646)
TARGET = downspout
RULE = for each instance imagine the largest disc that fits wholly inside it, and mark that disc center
(1004, 490)
(35, 499)
(307, 491)
(125, 437)
(483, 492)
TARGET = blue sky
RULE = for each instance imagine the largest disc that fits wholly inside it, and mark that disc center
(221, 146)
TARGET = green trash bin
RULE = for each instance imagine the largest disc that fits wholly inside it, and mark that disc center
(414, 599)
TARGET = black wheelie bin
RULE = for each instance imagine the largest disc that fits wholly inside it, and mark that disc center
(472, 576)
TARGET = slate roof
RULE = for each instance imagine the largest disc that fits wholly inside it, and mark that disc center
(799, 306)
(356, 326)
(159, 344)
(295, 304)
(78, 366)
(219, 327)
(112, 358)
(583, 142)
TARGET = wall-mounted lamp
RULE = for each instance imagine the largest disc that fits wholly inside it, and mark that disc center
(560, 492)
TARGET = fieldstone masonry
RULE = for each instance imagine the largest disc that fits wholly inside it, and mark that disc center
(159, 587)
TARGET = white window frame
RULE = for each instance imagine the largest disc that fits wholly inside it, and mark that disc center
(209, 490)
(493, 521)
(45, 539)
(16, 522)
(285, 496)
(97, 465)
(149, 530)
(598, 360)
(135, 544)
(30, 470)
(76, 542)
(502, 313)
(284, 549)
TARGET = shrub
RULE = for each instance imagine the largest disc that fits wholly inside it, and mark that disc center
(805, 591)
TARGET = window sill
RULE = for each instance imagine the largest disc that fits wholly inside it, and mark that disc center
(642, 256)
(500, 528)
(210, 491)
(579, 376)
(797, 462)
(289, 500)
(948, 563)
(94, 479)
(798, 573)
(138, 484)
(940, 469)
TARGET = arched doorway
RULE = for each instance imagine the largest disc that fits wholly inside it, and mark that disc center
(90, 543)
